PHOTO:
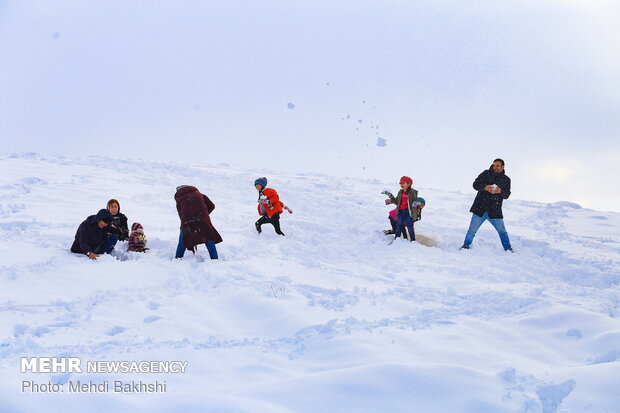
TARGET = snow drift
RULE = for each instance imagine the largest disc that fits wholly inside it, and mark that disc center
(328, 318)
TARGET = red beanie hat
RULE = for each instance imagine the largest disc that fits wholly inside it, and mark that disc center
(406, 179)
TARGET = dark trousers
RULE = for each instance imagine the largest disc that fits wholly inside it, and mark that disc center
(107, 245)
(393, 223)
(274, 220)
(404, 220)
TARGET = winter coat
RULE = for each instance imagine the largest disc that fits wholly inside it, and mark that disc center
(274, 206)
(487, 202)
(194, 209)
(137, 241)
(414, 212)
(119, 227)
(88, 236)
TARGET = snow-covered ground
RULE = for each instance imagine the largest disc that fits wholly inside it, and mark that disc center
(329, 318)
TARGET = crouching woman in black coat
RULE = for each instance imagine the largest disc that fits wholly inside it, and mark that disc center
(92, 237)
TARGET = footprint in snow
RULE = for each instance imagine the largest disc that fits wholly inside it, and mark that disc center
(151, 319)
(19, 330)
(551, 395)
(115, 330)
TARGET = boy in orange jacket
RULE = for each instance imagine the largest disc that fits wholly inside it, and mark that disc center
(269, 206)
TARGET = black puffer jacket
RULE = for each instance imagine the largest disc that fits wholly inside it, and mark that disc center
(88, 236)
(119, 226)
(487, 202)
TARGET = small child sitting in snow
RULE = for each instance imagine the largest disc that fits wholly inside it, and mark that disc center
(137, 241)
(407, 203)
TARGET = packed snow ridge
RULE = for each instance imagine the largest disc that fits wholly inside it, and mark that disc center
(329, 318)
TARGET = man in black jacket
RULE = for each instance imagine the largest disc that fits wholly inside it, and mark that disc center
(92, 238)
(493, 187)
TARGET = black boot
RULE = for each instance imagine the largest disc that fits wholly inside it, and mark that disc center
(257, 225)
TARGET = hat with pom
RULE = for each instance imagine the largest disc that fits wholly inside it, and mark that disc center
(262, 182)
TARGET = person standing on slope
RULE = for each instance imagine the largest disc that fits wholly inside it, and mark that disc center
(407, 203)
(196, 227)
(269, 206)
(393, 218)
(493, 186)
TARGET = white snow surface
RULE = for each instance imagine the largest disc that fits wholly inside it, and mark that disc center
(329, 318)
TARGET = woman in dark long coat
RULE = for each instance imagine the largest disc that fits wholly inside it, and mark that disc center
(196, 227)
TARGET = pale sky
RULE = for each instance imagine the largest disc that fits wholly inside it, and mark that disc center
(449, 85)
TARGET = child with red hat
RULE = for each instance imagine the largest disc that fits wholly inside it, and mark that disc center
(393, 217)
(407, 204)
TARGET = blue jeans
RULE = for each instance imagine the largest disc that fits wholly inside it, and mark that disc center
(497, 223)
(107, 245)
(404, 219)
(181, 250)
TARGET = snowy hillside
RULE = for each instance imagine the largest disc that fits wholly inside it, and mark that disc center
(329, 318)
